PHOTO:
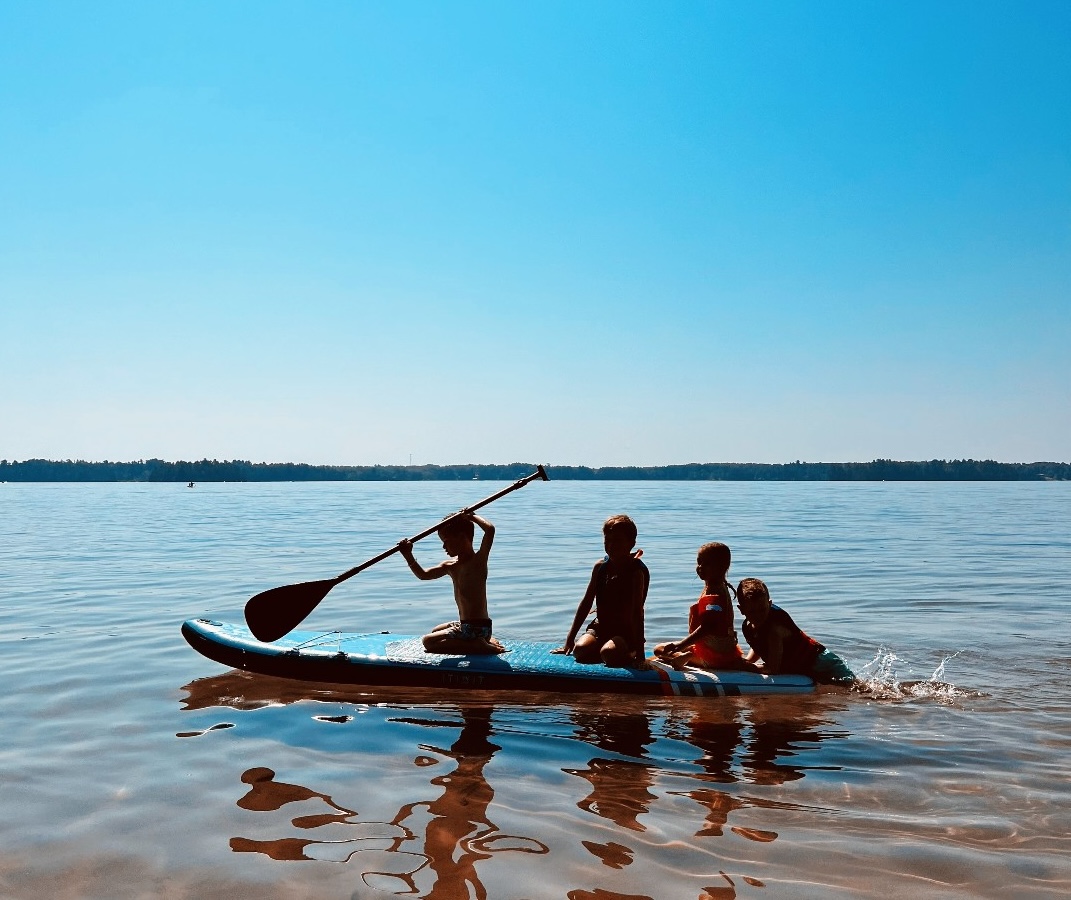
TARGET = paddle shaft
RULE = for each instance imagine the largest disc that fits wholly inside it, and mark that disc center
(539, 473)
(276, 612)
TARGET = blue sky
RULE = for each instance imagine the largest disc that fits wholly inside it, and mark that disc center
(572, 233)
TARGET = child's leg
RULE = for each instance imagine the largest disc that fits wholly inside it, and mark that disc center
(719, 662)
(737, 663)
(440, 636)
(677, 658)
(586, 648)
(451, 641)
(615, 652)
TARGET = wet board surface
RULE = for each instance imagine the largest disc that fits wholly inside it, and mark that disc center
(393, 659)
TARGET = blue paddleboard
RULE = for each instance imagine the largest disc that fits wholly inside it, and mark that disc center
(400, 660)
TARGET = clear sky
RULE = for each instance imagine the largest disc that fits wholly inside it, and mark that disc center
(595, 233)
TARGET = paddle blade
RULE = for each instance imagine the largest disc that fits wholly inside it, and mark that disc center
(274, 613)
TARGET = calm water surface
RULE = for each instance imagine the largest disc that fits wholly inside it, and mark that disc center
(132, 767)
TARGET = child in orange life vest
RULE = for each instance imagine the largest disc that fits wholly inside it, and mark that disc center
(711, 641)
(618, 590)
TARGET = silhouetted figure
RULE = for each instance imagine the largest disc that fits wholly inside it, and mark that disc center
(467, 568)
(618, 590)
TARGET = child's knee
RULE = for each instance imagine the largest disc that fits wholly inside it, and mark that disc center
(614, 653)
(586, 651)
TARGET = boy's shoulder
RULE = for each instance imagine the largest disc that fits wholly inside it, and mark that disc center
(466, 562)
(779, 618)
(632, 564)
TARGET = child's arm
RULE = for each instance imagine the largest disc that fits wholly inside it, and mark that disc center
(405, 547)
(581, 613)
(684, 643)
(704, 627)
(775, 648)
(488, 534)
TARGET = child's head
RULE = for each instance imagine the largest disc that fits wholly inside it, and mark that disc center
(712, 561)
(619, 535)
(456, 531)
(753, 598)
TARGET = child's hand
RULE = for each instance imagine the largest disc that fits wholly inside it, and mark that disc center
(405, 546)
(564, 650)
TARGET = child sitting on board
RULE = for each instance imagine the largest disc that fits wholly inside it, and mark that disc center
(467, 569)
(618, 589)
(711, 641)
(780, 643)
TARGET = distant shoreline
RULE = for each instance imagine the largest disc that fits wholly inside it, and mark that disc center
(158, 470)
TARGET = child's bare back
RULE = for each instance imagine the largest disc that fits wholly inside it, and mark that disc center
(470, 586)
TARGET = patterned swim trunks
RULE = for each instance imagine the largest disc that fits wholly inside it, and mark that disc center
(471, 629)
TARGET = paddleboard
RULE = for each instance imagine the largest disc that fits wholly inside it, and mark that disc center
(400, 660)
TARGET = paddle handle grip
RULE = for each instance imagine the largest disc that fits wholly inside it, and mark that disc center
(540, 474)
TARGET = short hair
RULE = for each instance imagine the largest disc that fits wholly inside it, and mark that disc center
(752, 589)
(621, 523)
(462, 527)
(717, 553)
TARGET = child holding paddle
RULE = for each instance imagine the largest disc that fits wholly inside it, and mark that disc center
(618, 589)
(780, 643)
(467, 568)
(711, 641)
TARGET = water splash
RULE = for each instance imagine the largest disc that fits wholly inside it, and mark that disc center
(879, 679)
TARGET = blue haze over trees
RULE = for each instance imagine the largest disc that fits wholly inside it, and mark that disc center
(158, 470)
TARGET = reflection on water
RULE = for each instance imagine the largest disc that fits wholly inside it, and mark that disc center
(449, 833)
(756, 743)
(439, 840)
(266, 795)
(748, 744)
(600, 894)
(784, 731)
(620, 788)
(459, 834)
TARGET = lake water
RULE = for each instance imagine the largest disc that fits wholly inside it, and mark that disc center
(132, 767)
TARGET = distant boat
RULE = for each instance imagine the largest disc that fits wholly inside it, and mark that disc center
(190, 484)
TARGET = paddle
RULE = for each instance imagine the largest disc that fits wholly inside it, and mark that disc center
(273, 613)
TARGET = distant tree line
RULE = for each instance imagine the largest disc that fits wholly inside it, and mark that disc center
(241, 470)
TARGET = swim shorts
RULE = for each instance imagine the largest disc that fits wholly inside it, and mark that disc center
(471, 629)
(831, 669)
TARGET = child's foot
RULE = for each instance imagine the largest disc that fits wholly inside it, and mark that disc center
(494, 645)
